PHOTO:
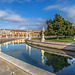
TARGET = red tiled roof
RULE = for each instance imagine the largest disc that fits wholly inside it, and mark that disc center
(20, 30)
(37, 31)
(5, 29)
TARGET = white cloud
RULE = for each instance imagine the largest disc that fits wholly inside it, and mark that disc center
(30, 28)
(51, 7)
(33, 24)
(3, 13)
(20, 1)
(10, 1)
(15, 18)
(68, 10)
(9, 16)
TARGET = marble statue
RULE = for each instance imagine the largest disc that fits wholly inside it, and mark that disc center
(43, 39)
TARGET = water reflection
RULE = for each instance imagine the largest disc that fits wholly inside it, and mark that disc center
(18, 41)
(29, 50)
(57, 62)
(21, 41)
(13, 43)
(26, 47)
(6, 44)
(54, 61)
(42, 56)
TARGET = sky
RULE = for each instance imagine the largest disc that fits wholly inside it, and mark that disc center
(32, 14)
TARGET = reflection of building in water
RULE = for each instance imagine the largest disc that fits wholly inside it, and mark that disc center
(29, 50)
(6, 44)
(3, 43)
(0, 47)
(26, 47)
(42, 51)
(13, 43)
(9, 42)
(18, 41)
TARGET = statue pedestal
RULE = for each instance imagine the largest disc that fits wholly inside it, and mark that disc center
(6, 36)
(42, 40)
(26, 35)
(12, 36)
(29, 38)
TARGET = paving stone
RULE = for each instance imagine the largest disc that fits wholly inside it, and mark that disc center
(7, 68)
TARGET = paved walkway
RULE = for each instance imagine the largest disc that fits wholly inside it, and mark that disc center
(7, 68)
(52, 44)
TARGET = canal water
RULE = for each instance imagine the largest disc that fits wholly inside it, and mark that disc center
(59, 64)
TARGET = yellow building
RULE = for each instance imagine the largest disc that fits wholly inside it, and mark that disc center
(23, 33)
(19, 32)
(36, 33)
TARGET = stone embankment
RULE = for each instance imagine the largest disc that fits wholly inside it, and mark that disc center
(8, 39)
(7, 68)
(53, 44)
(27, 68)
(19, 67)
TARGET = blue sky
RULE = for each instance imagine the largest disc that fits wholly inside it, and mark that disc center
(32, 14)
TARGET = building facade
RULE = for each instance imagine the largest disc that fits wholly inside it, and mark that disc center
(19, 33)
(36, 33)
(5, 32)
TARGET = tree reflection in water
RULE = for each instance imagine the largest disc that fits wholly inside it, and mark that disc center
(56, 61)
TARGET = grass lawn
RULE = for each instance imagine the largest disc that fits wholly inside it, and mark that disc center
(68, 39)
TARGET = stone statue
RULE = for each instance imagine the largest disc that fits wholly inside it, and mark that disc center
(12, 36)
(29, 38)
(6, 36)
(27, 35)
(42, 40)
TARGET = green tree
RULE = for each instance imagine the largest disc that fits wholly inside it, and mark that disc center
(68, 28)
(49, 30)
(58, 26)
